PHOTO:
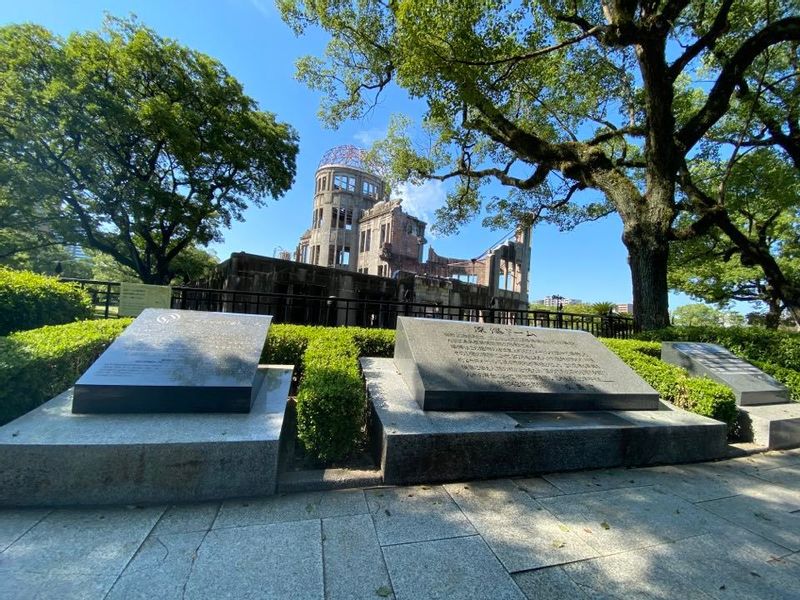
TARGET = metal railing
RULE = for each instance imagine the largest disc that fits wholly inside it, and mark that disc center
(336, 311)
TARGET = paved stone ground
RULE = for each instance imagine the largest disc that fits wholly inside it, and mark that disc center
(714, 530)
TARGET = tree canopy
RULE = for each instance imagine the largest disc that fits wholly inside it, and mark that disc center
(760, 192)
(554, 97)
(131, 144)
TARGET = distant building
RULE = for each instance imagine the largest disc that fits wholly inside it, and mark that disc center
(625, 309)
(355, 226)
(553, 301)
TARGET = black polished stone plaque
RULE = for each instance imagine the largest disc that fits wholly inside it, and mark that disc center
(176, 361)
(452, 365)
(750, 385)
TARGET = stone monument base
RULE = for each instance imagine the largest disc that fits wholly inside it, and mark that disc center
(52, 457)
(415, 446)
(773, 426)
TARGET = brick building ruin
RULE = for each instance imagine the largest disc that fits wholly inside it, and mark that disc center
(362, 245)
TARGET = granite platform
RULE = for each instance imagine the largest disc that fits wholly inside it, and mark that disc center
(52, 457)
(773, 426)
(416, 446)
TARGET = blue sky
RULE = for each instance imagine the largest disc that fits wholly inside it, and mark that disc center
(249, 38)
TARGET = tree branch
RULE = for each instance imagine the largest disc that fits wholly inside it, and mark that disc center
(718, 27)
(718, 100)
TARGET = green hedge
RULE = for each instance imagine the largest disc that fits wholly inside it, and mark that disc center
(331, 404)
(28, 300)
(788, 377)
(701, 396)
(36, 365)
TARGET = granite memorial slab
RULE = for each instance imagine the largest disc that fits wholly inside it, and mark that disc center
(177, 361)
(750, 385)
(458, 366)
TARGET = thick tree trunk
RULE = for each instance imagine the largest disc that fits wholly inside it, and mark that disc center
(773, 316)
(647, 255)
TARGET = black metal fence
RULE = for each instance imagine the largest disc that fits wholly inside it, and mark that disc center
(335, 311)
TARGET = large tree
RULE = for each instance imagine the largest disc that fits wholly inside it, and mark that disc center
(552, 97)
(131, 144)
(754, 255)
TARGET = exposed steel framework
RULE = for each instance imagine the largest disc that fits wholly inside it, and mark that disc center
(351, 156)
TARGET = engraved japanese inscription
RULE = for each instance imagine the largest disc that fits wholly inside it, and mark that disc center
(528, 360)
(450, 365)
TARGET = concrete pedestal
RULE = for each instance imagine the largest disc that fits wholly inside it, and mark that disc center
(52, 457)
(416, 446)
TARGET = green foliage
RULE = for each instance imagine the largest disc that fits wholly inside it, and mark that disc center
(28, 300)
(696, 315)
(788, 377)
(701, 396)
(132, 144)
(35, 365)
(331, 402)
(374, 342)
(552, 98)
(761, 193)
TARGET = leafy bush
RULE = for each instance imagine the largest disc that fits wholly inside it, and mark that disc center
(331, 402)
(286, 344)
(36, 365)
(374, 342)
(788, 377)
(698, 395)
(28, 300)
(331, 405)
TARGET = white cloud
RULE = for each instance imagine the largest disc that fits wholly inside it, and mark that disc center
(422, 201)
(261, 7)
(367, 137)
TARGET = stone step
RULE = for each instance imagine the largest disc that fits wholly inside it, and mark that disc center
(328, 479)
(774, 426)
(52, 457)
(416, 446)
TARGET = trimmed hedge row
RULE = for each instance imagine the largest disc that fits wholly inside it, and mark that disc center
(788, 377)
(331, 404)
(701, 396)
(29, 300)
(36, 365)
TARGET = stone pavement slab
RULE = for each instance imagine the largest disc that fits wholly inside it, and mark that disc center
(88, 542)
(787, 477)
(354, 566)
(415, 514)
(772, 520)
(537, 487)
(282, 560)
(521, 533)
(458, 541)
(624, 519)
(730, 566)
(186, 518)
(290, 507)
(701, 482)
(552, 583)
(15, 523)
(452, 569)
(160, 568)
(601, 479)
